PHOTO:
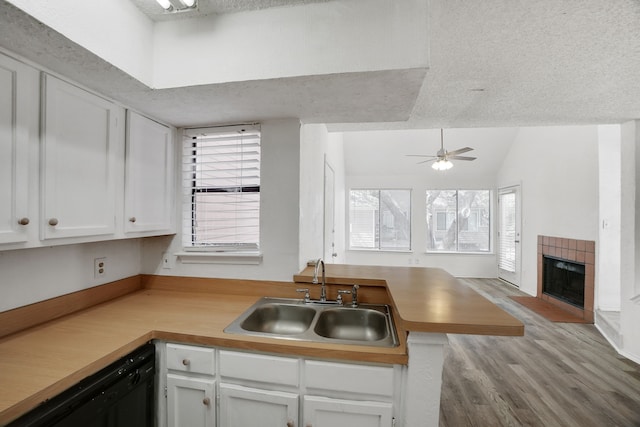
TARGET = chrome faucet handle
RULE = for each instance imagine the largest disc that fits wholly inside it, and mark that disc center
(340, 293)
(307, 297)
(354, 295)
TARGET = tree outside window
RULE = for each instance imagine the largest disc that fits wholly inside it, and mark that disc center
(458, 220)
(380, 219)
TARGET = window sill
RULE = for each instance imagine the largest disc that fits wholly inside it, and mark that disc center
(243, 258)
(458, 253)
(393, 251)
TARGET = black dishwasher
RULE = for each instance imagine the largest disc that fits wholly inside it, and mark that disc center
(120, 395)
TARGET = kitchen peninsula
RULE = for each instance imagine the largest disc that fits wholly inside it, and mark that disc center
(39, 362)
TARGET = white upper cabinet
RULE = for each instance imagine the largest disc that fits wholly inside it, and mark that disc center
(149, 176)
(82, 136)
(18, 128)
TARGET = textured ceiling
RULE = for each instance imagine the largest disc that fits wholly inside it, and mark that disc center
(493, 63)
(153, 10)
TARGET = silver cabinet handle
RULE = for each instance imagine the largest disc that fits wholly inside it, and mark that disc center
(132, 219)
(53, 222)
(23, 221)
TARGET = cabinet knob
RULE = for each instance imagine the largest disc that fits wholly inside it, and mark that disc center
(23, 221)
(53, 222)
(186, 362)
(132, 219)
(206, 401)
(290, 423)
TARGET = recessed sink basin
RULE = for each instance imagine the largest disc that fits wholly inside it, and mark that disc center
(356, 324)
(293, 319)
(282, 319)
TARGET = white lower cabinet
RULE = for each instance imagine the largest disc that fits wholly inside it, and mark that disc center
(246, 406)
(187, 374)
(225, 388)
(327, 412)
(190, 401)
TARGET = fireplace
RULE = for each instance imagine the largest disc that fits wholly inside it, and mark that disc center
(564, 280)
(566, 274)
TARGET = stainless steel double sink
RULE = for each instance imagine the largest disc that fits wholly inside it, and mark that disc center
(294, 319)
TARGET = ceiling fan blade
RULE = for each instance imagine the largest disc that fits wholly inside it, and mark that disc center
(418, 155)
(461, 158)
(459, 151)
(427, 161)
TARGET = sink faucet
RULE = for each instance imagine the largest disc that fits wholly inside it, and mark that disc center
(323, 289)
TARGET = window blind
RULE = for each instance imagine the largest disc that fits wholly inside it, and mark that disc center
(221, 188)
(507, 236)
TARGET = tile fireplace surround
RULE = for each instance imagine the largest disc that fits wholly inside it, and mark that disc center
(580, 251)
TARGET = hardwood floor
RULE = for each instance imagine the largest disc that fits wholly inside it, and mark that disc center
(558, 374)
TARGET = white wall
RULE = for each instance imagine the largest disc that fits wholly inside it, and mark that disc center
(630, 242)
(335, 157)
(316, 145)
(115, 30)
(317, 38)
(558, 169)
(313, 145)
(279, 216)
(608, 247)
(31, 275)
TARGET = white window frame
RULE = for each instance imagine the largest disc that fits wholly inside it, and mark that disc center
(489, 250)
(214, 252)
(380, 218)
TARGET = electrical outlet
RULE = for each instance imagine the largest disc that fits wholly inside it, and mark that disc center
(168, 260)
(99, 267)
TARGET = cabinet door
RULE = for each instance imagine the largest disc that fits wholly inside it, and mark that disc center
(149, 176)
(190, 401)
(243, 406)
(324, 412)
(18, 108)
(80, 137)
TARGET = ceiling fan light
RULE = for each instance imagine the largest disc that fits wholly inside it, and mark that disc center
(442, 165)
(188, 3)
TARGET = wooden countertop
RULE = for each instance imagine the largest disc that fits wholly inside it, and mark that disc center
(40, 362)
(427, 299)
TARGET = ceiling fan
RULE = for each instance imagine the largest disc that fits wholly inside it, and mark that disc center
(442, 159)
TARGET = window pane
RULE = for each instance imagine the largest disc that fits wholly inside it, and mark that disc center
(363, 214)
(473, 205)
(441, 224)
(458, 221)
(221, 188)
(395, 221)
(226, 219)
(380, 219)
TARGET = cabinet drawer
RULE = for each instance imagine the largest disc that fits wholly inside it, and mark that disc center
(199, 360)
(261, 368)
(344, 377)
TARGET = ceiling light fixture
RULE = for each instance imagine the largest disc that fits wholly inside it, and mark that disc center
(166, 5)
(177, 5)
(442, 165)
